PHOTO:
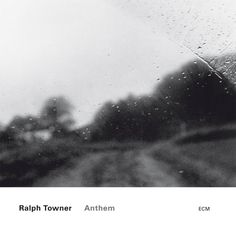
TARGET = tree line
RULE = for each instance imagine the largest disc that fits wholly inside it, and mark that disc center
(192, 97)
(55, 116)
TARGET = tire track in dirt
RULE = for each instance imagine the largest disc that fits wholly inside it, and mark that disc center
(157, 173)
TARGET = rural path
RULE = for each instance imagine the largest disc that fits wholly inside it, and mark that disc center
(114, 168)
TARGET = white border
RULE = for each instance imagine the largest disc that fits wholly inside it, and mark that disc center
(139, 211)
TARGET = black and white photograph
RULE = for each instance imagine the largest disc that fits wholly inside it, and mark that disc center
(118, 93)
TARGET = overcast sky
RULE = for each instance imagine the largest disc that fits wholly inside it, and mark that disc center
(90, 51)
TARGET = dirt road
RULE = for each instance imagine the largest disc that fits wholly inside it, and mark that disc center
(114, 168)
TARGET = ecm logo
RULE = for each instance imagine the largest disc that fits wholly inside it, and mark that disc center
(204, 208)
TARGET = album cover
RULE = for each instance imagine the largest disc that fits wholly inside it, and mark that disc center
(115, 95)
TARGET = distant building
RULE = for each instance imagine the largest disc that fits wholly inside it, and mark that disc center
(30, 136)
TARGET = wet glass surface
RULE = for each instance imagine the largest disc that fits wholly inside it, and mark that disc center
(118, 93)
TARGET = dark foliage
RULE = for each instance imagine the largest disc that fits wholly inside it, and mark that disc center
(7, 136)
(23, 165)
(192, 97)
(198, 96)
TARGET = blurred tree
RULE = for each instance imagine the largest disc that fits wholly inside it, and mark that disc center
(56, 115)
(17, 127)
(24, 124)
(191, 97)
(198, 96)
(7, 136)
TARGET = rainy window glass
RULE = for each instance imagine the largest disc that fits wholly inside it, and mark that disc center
(118, 93)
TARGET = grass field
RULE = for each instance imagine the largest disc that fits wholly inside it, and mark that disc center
(197, 159)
